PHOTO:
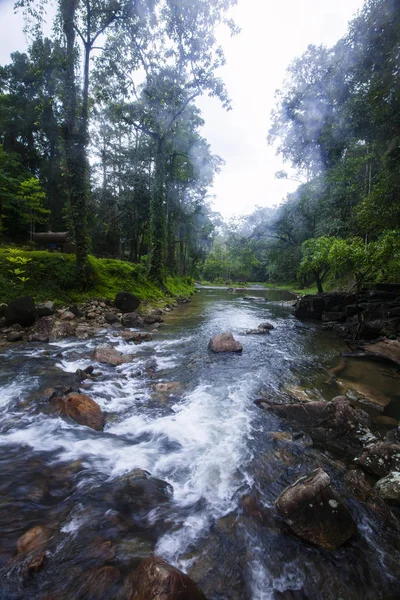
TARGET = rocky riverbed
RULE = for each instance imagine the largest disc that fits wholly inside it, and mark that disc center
(129, 456)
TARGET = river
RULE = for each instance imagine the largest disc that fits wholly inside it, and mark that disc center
(226, 460)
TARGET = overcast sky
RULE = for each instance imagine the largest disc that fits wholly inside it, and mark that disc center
(273, 33)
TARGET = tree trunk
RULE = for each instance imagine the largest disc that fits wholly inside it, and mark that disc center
(157, 215)
(319, 283)
(75, 145)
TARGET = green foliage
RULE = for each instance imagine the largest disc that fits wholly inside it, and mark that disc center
(109, 276)
(316, 258)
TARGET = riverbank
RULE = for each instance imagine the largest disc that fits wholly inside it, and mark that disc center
(288, 287)
(52, 276)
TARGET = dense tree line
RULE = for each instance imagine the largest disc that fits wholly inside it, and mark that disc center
(337, 123)
(100, 133)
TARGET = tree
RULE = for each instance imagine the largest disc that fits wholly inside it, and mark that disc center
(316, 259)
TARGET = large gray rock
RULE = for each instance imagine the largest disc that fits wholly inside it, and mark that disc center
(126, 302)
(21, 311)
(224, 342)
(315, 512)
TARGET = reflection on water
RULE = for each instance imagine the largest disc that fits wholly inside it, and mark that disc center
(207, 440)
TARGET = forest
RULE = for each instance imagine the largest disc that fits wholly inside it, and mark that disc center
(337, 126)
(101, 138)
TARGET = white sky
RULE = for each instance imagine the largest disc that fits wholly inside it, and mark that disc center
(273, 33)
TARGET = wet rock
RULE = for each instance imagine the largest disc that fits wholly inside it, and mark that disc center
(155, 579)
(360, 488)
(336, 426)
(85, 332)
(81, 409)
(151, 319)
(266, 326)
(291, 595)
(380, 458)
(385, 421)
(139, 491)
(109, 356)
(45, 309)
(132, 319)
(14, 336)
(21, 311)
(389, 487)
(97, 584)
(33, 539)
(126, 302)
(136, 336)
(224, 342)
(315, 512)
(299, 393)
(111, 318)
(170, 387)
(40, 338)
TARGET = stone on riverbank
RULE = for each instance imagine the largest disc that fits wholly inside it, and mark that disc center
(155, 579)
(126, 302)
(315, 512)
(132, 319)
(21, 311)
(224, 342)
(81, 409)
(109, 356)
(14, 336)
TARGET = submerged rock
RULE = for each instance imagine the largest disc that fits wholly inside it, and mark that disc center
(82, 409)
(315, 512)
(33, 539)
(155, 579)
(138, 490)
(224, 342)
(109, 356)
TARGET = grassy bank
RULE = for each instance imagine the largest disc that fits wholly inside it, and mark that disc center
(51, 276)
(290, 287)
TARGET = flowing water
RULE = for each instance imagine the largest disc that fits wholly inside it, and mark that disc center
(226, 460)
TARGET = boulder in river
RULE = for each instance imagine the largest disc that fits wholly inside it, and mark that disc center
(132, 319)
(110, 356)
(82, 409)
(336, 426)
(22, 311)
(389, 487)
(126, 302)
(380, 458)
(155, 579)
(315, 512)
(224, 342)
